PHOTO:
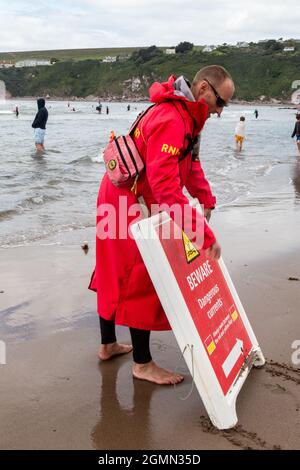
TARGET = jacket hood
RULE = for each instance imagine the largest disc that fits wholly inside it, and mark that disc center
(40, 103)
(160, 92)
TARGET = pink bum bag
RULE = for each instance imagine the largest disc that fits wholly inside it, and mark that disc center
(122, 159)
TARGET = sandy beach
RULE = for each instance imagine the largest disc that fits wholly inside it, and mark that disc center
(112, 112)
(56, 395)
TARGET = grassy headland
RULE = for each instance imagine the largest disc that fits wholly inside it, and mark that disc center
(258, 71)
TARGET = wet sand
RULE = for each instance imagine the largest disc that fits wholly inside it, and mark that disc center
(54, 394)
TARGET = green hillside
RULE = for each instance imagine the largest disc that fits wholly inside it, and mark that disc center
(257, 70)
(68, 54)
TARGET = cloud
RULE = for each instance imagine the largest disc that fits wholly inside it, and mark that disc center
(68, 24)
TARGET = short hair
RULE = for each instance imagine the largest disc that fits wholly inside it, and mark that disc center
(242, 118)
(297, 116)
(216, 74)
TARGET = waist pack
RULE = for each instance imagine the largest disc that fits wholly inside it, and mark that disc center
(123, 161)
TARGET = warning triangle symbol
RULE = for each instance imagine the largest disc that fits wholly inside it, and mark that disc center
(190, 251)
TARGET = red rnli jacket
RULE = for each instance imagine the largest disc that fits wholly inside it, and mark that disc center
(125, 292)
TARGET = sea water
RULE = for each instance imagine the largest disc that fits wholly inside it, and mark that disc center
(52, 196)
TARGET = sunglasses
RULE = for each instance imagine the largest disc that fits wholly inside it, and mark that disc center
(219, 101)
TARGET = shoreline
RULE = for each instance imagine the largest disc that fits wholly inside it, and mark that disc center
(90, 98)
(144, 99)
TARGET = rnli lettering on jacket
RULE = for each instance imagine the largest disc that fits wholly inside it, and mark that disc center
(125, 292)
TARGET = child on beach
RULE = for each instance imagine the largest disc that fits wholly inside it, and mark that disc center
(296, 131)
(240, 133)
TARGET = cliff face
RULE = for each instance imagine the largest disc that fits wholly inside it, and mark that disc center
(257, 75)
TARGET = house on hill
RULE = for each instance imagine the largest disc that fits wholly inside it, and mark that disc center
(6, 64)
(32, 63)
(170, 51)
(242, 44)
(209, 48)
(109, 58)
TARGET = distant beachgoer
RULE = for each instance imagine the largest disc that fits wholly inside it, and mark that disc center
(128, 107)
(256, 114)
(240, 133)
(99, 108)
(73, 109)
(107, 110)
(17, 111)
(39, 125)
(296, 131)
(68, 104)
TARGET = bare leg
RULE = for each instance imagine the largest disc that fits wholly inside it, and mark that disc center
(39, 147)
(152, 373)
(298, 145)
(143, 366)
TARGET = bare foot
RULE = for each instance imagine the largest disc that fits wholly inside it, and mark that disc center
(107, 351)
(153, 373)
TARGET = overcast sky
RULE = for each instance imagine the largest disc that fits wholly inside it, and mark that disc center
(66, 24)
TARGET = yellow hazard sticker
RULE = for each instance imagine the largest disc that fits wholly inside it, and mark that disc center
(190, 251)
(234, 315)
(211, 347)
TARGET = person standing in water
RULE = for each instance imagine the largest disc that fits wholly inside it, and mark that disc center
(296, 131)
(240, 133)
(39, 125)
(17, 111)
(256, 114)
(99, 107)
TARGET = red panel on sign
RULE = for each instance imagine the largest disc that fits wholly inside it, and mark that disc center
(211, 305)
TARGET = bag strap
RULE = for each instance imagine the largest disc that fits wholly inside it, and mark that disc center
(188, 137)
(139, 118)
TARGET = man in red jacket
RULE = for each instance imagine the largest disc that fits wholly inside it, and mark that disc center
(125, 293)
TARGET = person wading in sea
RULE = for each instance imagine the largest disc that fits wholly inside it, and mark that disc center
(296, 131)
(39, 125)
